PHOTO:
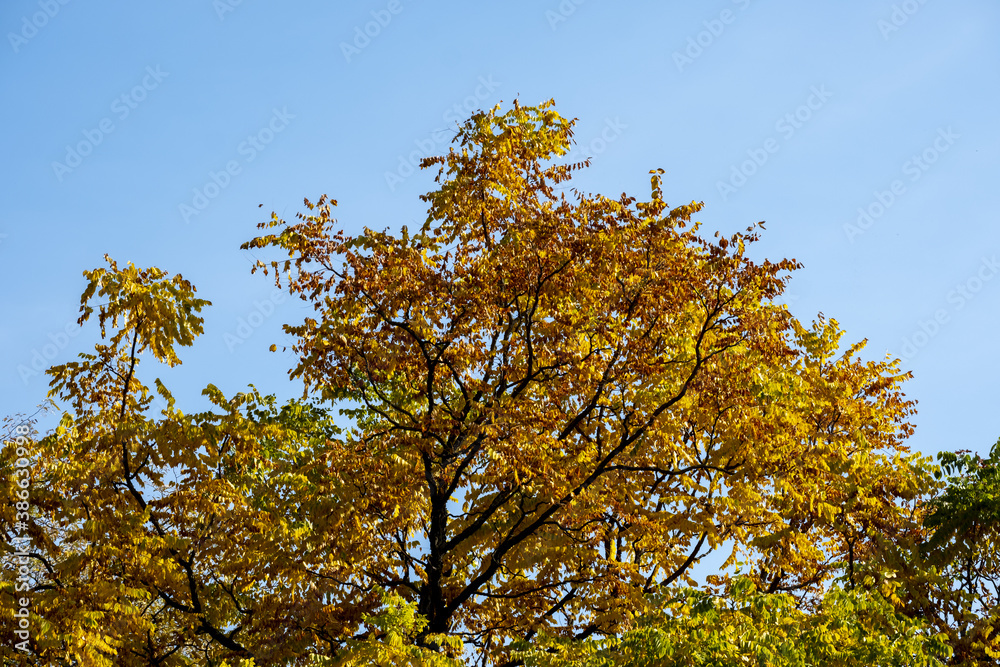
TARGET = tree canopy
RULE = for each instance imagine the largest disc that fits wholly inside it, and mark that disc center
(523, 425)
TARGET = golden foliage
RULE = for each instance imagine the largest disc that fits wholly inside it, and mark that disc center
(556, 408)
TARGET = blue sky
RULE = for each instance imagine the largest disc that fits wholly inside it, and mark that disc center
(864, 133)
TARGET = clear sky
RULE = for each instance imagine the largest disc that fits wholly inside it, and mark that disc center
(864, 133)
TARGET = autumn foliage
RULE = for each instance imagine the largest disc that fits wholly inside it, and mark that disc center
(551, 408)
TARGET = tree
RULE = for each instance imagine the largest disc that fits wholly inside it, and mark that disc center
(946, 568)
(556, 408)
(691, 628)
